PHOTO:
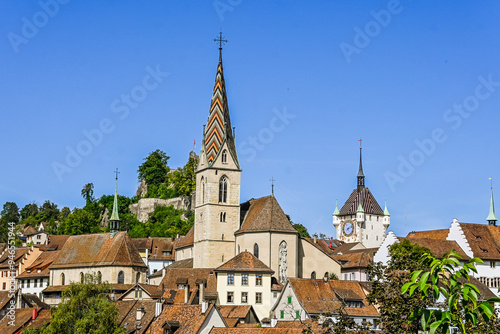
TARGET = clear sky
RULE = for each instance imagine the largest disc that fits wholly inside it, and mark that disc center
(90, 86)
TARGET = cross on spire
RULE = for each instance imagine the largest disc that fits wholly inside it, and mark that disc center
(220, 40)
(272, 185)
(116, 173)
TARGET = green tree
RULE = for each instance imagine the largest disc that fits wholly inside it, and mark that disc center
(64, 213)
(79, 221)
(48, 212)
(29, 210)
(88, 193)
(445, 277)
(10, 212)
(154, 169)
(387, 282)
(183, 179)
(165, 221)
(302, 230)
(85, 308)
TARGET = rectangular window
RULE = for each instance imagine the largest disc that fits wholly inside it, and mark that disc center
(289, 300)
(282, 314)
(38, 236)
(28, 283)
(244, 279)
(244, 297)
(297, 314)
(258, 280)
(230, 279)
(275, 294)
(36, 283)
(230, 297)
(258, 298)
(493, 264)
(353, 276)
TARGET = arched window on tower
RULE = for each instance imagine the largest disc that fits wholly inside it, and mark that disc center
(224, 157)
(223, 189)
(256, 250)
(121, 277)
(313, 275)
(63, 281)
(202, 190)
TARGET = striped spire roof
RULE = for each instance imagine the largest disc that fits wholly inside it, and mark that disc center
(218, 129)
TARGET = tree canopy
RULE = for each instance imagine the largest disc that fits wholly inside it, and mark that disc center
(154, 169)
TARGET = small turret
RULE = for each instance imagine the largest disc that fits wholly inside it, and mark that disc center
(114, 221)
(492, 218)
(361, 175)
(360, 213)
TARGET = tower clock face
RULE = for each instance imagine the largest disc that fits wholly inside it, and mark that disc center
(348, 228)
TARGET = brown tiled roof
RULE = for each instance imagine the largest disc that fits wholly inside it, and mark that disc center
(347, 247)
(3, 246)
(154, 291)
(234, 311)
(368, 202)
(484, 292)
(245, 262)
(275, 284)
(56, 242)
(29, 230)
(41, 320)
(182, 264)
(188, 318)
(439, 248)
(359, 258)
(128, 312)
(34, 301)
(185, 241)
(141, 244)
(484, 240)
(114, 287)
(22, 316)
(5, 297)
(19, 254)
(262, 330)
(321, 245)
(264, 214)
(160, 245)
(93, 250)
(42, 263)
(431, 234)
(318, 297)
(170, 279)
(308, 323)
(174, 296)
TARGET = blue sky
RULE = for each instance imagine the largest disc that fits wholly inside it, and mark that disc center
(419, 81)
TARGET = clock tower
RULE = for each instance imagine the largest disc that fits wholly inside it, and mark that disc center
(361, 219)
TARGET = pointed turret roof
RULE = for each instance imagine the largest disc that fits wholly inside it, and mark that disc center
(492, 218)
(361, 175)
(386, 212)
(336, 212)
(114, 214)
(218, 130)
(368, 202)
(360, 208)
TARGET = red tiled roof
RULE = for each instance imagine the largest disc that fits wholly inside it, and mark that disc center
(192, 276)
(484, 240)
(42, 263)
(19, 254)
(21, 318)
(188, 318)
(359, 258)
(234, 311)
(439, 248)
(431, 234)
(245, 262)
(93, 250)
(264, 214)
(185, 241)
(127, 313)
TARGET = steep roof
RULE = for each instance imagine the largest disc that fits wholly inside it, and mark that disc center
(264, 215)
(218, 130)
(127, 312)
(21, 318)
(19, 254)
(192, 277)
(439, 248)
(245, 262)
(318, 297)
(234, 311)
(188, 319)
(431, 234)
(484, 240)
(92, 250)
(40, 267)
(368, 202)
(56, 242)
(185, 241)
(359, 258)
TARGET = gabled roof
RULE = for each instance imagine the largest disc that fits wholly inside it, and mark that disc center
(318, 297)
(185, 241)
(439, 248)
(127, 313)
(5, 297)
(187, 318)
(484, 240)
(359, 258)
(154, 291)
(234, 311)
(56, 242)
(42, 263)
(368, 202)
(245, 262)
(19, 254)
(191, 277)
(182, 264)
(21, 318)
(93, 250)
(431, 234)
(264, 215)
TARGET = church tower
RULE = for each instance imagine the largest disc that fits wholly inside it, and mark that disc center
(361, 219)
(114, 221)
(217, 209)
(492, 217)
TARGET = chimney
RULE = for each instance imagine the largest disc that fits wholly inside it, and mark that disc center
(202, 293)
(186, 293)
(204, 306)
(315, 239)
(35, 314)
(139, 314)
(158, 309)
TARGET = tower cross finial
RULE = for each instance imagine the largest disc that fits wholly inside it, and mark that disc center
(272, 185)
(116, 173)
(220, 40)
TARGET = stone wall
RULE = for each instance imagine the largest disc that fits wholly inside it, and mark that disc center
(145, 206)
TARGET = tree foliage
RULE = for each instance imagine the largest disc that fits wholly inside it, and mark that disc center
(302, 230)
(183, 179)
(29, 210)
(446, 278)
(80, 221)
(165, 221)
(154, 169)
(85, 308)
(88, 193)
(387, 282)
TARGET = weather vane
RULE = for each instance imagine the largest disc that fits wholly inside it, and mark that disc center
(220, 40)
(360, 140)
(272, 185)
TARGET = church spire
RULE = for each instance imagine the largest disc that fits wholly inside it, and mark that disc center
(492, 218)
(218, 130)
(114, 221)
(361, 176)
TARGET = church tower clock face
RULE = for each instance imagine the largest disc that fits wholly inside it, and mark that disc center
(348, 228)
